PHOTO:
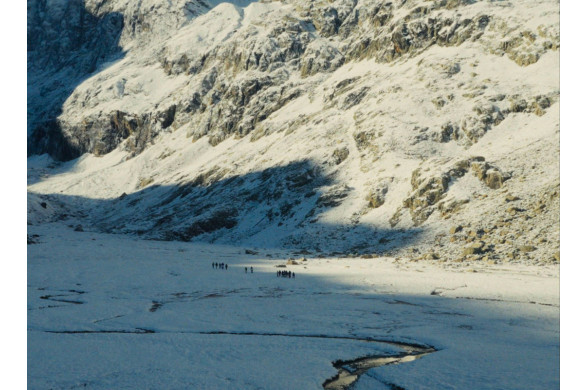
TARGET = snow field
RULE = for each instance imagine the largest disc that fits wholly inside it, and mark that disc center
(503, 331)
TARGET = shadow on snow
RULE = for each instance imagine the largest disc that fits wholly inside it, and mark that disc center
(279, 207)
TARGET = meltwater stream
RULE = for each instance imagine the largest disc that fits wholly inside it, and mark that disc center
(349, 371)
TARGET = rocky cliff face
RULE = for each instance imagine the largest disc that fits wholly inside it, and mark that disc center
(69, 42)
(65, 44)
(343, 119)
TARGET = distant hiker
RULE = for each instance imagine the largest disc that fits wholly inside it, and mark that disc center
(278, 273)
(289, 274)
(251, 270)
(293, 275)
(245, 270)
(226, 267)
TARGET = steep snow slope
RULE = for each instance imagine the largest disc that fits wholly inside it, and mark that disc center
(424, 129)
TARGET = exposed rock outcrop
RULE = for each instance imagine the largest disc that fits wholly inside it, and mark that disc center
(243, 72)
(428, 191)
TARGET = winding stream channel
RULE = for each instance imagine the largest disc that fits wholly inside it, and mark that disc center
(349, 371)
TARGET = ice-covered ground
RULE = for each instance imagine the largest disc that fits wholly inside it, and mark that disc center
(112, 311)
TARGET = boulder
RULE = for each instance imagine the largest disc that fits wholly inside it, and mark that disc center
(494, 179)
(474, 249)
(339, 155)
(456, 229)
(375, 199)
(527, 248)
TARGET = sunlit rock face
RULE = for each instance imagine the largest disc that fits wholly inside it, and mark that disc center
(358, 123)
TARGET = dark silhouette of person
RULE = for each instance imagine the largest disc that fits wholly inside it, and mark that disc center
(226, 267)
(245, 270)
(251, 270)
(293, 274)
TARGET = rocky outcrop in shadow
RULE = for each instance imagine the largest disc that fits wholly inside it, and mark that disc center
(65, 45)
(278, 206)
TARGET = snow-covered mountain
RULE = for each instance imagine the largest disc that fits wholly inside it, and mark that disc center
(423, 129)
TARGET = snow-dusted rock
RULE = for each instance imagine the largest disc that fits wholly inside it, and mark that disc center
(344, 125)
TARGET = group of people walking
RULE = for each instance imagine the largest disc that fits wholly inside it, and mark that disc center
(286, 274)
(280, 274)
